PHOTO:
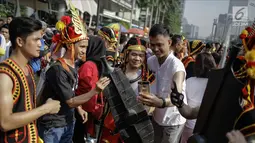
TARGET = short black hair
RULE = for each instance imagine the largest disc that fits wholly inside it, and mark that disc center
(10, 16)
(175, 39)
(217, 43)
(23, 27)
(1, 19)
(209, 46)
(4, 26)
(203, 64)
(123, 38)
(159, 29)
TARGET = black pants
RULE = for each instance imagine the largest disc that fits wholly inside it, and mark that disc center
(79, 130)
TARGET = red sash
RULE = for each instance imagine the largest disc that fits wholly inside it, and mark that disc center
(187, 60)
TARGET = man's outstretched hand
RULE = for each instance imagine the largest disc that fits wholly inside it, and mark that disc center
(102, 83)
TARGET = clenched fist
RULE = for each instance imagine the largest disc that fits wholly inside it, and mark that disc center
(102, 83)
(53, 106)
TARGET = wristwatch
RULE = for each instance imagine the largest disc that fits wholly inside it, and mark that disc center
(164, 102)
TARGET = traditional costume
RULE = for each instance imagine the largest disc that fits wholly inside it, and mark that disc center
(246, 74)
(62, 79)
(228, 102)
(194, 48)
(112, 55)
(130, 118)
(144, 74)
(89, 74)
(24, 93)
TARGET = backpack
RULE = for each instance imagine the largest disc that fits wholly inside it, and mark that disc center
(42, 82)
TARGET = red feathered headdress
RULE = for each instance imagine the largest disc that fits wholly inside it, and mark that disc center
(72, 30)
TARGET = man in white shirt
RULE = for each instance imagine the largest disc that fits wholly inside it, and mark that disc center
(4, 30)
(167, 121)
(2, 47)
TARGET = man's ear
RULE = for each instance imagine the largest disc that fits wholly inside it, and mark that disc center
(170, 42)
(19, 41)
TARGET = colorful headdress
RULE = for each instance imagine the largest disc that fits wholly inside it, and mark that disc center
(195, 47)
(111, 52)
(72, 29)
(246, 122)
(109, 35)
(137, 45)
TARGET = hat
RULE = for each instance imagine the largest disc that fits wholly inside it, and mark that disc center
(72, 29)
(109, 35)
(135, 44)
(195, 47)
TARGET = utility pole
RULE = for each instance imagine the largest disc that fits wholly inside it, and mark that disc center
(146, 18)
(98, 13)
(17, 9)
(157, 10)
(152, 9)
(132, 11)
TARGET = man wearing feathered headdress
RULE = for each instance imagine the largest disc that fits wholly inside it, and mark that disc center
(62, 80)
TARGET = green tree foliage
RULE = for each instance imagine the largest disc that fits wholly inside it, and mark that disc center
(173, 18)
(144, 3)
(9, 9)
(172, 15)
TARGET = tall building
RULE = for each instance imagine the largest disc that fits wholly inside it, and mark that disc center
(233, 29)
(221, 27)
(190, 31)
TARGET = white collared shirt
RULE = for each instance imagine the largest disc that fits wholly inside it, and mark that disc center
(169, 116)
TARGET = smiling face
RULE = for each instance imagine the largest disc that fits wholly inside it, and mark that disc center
(136, 58)
(80, 49)
(160, 45)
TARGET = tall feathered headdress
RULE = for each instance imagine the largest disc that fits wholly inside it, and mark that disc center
(72, 29)
(246, 122)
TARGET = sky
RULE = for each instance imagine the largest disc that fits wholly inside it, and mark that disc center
(202, 13)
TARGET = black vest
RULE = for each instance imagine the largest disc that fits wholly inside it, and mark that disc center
(23, 100)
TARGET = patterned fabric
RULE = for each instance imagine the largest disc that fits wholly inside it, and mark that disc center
(195, 47)
(130, 117)
(23, 100)
(187, 60)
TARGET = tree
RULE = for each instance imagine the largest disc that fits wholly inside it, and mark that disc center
(172, 17)
(164, 11)
(9, 9)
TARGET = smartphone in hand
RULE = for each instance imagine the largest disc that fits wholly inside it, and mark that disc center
(144, 86)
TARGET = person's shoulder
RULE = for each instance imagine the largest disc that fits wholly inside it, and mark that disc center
(55, 68)
(6, 80)
(88, 66)
(176, 61)
(152, 58)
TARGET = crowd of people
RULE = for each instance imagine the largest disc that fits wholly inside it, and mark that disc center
(52, 81)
